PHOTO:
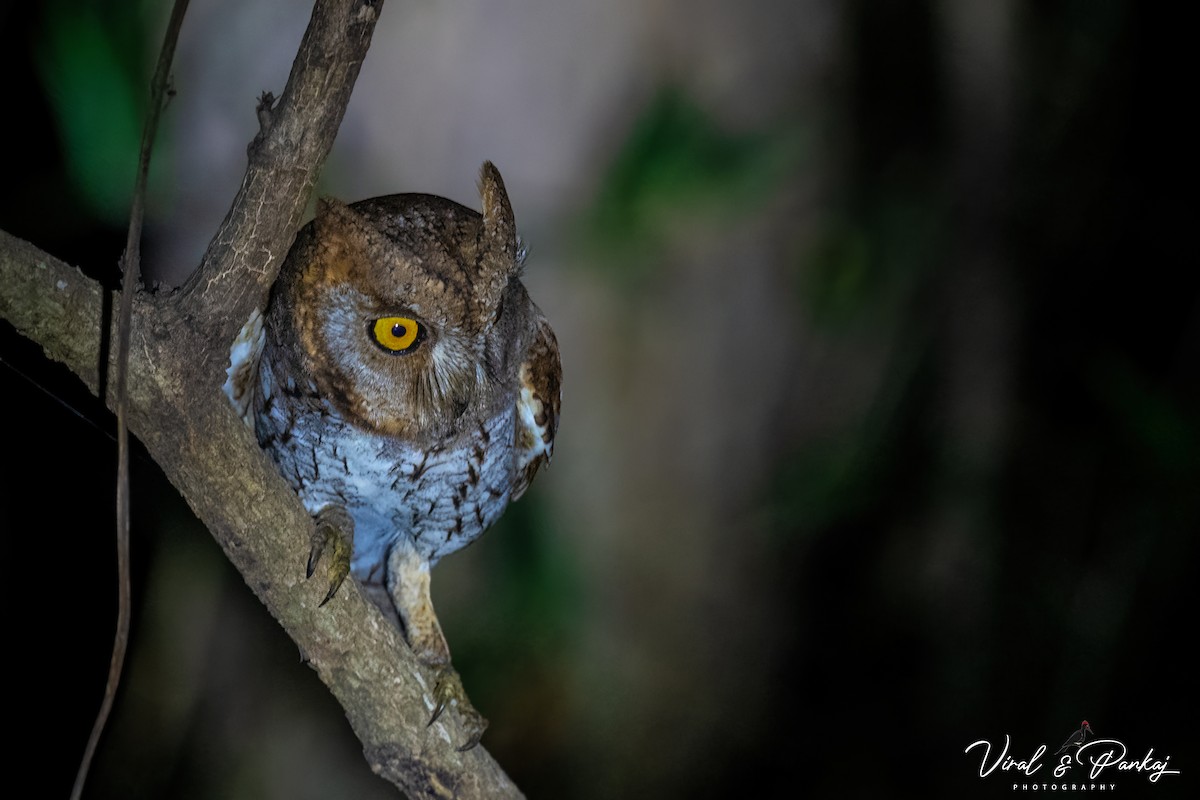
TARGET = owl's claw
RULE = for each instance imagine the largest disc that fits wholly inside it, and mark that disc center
(334, 530)
(333, 587)
(449, 693)
(314, 555)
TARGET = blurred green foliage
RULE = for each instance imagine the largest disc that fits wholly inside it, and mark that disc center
(540, 579)
(533, 587)
(680, 163)
(865, 266)
(93, 65)
(1159, 433)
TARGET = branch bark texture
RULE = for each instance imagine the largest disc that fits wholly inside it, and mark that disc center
(177, 360)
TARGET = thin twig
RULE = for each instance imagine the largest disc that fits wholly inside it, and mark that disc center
(131, 270)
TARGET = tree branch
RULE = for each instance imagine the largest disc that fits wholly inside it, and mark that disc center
(179, 350)
(52, 304)
(296, 134)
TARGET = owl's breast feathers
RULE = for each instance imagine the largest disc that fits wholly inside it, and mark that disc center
(538, 400)
(441, 496)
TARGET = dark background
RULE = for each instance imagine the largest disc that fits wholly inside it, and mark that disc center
(935, 479)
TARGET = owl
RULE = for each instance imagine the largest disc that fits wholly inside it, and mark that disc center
(408, 389)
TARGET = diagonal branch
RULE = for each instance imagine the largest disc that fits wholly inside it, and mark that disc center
(178, 351)
(297, 132)
(53, 304)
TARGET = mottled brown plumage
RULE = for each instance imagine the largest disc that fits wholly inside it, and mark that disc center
(407, 387)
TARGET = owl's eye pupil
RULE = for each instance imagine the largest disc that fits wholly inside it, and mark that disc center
(398, 330)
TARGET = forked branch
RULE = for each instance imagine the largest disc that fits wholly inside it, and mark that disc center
(178, 352)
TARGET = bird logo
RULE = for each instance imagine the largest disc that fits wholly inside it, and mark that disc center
(1077, 738)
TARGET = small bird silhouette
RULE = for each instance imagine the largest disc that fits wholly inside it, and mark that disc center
(1077, 738)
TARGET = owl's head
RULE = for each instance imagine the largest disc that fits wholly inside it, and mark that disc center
(407, 309)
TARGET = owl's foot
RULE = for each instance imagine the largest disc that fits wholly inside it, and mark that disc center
(334, 532)
(449, 693)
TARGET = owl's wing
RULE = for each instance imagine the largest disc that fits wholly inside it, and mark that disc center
(537, 406)
(242, 374)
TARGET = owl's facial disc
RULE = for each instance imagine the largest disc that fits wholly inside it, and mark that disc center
(397, 335)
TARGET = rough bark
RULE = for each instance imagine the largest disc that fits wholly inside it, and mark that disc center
(178, 356)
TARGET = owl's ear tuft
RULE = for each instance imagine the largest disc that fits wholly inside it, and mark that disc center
(500, 229)
(499, 258)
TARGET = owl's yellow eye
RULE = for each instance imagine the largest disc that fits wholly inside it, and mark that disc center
(397, 334)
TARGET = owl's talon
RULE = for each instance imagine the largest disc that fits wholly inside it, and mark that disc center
(337, 583)
(449, 693)
(437, 710)
(334, 531)
(314, 556)
(472, 742)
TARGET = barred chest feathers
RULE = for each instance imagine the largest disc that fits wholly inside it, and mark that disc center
(439, 498)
